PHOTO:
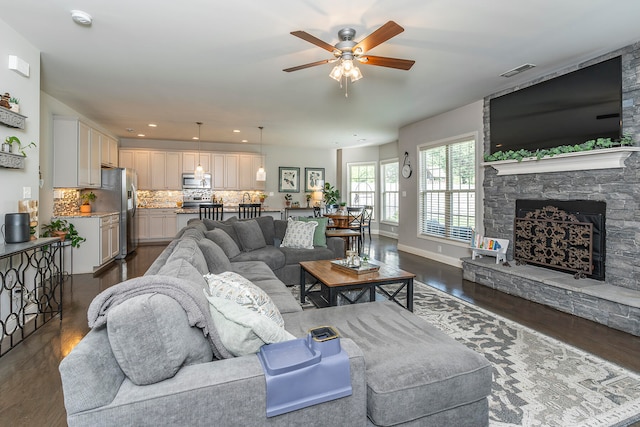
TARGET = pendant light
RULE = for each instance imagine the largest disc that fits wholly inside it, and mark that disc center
(261, 175)
(198, 174)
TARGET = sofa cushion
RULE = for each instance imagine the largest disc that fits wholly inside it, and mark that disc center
(188, 250)
(299, 235)
(253, 270)
(224, 240)
(319, 236)
(151, 338)
(270, 255)
(195, 233)
(217, 260)
(413, 369)
(244, 314)
(250, 235)
(226, 225)
(293, 256)
(267, 226)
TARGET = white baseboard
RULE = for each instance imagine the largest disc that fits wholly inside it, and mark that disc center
(388, 234)
(455, 262)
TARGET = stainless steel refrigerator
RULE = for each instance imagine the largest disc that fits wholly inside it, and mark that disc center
(118, 193)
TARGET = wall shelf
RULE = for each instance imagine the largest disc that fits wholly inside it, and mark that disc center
(11, 161)
(11, 119)
(605, 158)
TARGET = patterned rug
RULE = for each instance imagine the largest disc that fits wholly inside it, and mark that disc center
(537, 380)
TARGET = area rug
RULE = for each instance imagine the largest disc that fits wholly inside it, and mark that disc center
(537, 380)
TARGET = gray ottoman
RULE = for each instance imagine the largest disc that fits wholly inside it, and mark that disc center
(415, 373)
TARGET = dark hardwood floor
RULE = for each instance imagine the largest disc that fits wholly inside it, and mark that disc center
(30, 384)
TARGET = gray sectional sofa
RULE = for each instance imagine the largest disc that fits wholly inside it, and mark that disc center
(146, 360)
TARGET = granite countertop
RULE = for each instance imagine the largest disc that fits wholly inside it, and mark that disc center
(196, 211)
(87, 215)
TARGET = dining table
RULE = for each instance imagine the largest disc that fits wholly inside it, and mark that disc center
(339, 219)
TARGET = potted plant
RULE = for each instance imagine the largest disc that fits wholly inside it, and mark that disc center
(64, 230)
(330, 194)
(263, 197)
(343, 206)
(14, 103)
(287, 199)
(87, 198)
(308, 197)
(10, 141)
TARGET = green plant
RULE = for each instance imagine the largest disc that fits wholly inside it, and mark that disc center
(88, 197)
(331, 195)
(287, 197)
(10, 140)
(14, 100)
(593, 144)
(60, 226)
(308, 196)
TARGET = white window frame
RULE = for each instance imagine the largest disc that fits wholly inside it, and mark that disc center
(374, 193)
(384, 192)
(451, 232)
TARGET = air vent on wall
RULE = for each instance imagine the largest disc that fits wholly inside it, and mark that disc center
(517, 70)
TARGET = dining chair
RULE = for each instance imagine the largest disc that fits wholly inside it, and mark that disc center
(367, 213)
(355, 221)
(211, 211)
(249, 210)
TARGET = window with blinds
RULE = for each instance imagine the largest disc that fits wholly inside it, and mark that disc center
(390, 204)
(447, 190)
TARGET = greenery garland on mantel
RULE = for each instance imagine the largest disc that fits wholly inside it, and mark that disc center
(594, 144)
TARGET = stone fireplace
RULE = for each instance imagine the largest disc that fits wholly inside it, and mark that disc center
(564, 235)
(613, 300)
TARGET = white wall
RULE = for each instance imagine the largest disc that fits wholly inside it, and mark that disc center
(275, 157)
(27, 90)
(461, 121)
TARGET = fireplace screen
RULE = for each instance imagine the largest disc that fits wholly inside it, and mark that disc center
(556, 239)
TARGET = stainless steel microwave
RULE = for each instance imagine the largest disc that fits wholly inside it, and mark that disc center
(190, 181)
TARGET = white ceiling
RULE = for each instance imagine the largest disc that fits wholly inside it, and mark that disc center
(220, 62)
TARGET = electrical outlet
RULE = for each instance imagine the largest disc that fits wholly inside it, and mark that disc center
(439, 248)
(270, 193)
(26, 192)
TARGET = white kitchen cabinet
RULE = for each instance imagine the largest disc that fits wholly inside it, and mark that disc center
(231, 167)
(102, 244)
(165, 170)
(76, 154)
(109, 150)
(190, 161)
(248, 166)
(218, 177)
(139, 160)
(142, 218)
(109, 237)
(161, 224)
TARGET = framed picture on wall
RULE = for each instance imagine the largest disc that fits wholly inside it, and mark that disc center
(313, 179)
(289, 180)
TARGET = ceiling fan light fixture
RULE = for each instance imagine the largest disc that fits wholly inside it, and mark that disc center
(336, 73)
(355, 74)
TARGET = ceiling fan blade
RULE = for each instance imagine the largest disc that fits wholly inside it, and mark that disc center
(312, 64)
(383, 61)
(312, 39)
(381, 35)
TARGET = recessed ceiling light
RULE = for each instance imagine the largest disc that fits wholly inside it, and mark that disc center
(236, 131)
(141, 135)
(245, 140)
(195, 138)
(81, 17)
(152, 125)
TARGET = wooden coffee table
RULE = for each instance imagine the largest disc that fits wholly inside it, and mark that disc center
(333, 282)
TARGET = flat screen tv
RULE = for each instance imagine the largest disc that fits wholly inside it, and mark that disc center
(567, 110)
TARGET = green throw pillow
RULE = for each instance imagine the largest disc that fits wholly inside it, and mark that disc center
(319, 237)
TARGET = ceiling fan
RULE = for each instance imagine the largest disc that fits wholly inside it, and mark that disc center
(347, 50)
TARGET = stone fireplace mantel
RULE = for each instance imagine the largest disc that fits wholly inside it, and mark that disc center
(606, 158)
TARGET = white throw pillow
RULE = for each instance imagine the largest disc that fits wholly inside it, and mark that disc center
(299, 234)
(244, 315)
